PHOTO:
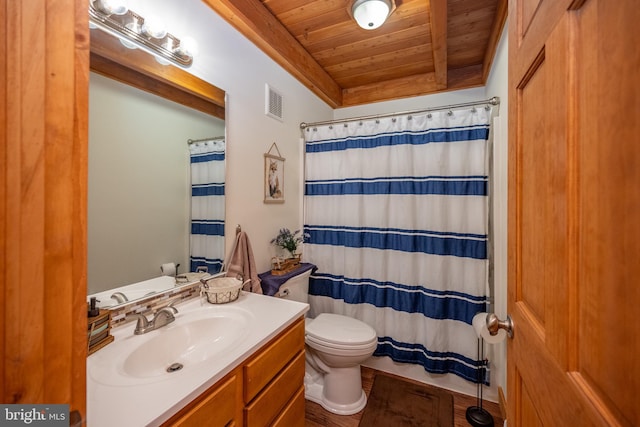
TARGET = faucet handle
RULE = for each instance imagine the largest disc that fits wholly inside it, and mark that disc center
(141, 325)
(163, 317)
(168, 310)
(169, 306)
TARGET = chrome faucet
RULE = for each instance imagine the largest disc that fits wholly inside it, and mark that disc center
(161, 318)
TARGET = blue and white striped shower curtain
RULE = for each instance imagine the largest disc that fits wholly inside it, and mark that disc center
(397, 213)
(207, 204)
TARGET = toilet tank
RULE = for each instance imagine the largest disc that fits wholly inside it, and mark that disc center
(296, 288)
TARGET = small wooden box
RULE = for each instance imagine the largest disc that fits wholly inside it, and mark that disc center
(282, 266)
(99, 331)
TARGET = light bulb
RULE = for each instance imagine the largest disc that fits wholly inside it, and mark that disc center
(187, 47)
(154, 27)
(371, 14)
(112, 7)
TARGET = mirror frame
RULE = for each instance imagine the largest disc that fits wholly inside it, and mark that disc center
(140, 70)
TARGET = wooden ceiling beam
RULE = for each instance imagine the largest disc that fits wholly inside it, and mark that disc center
(438, 18)
(390, 89)
(416, 85)
(256, 23)
(465, 77)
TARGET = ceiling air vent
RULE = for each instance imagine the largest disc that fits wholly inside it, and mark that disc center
(273, 103)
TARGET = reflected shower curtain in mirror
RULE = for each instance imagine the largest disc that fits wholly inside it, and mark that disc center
(207, 205)
(397, 213)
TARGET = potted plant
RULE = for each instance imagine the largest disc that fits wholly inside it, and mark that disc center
(288, 240)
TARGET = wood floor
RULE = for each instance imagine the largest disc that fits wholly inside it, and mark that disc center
(316, 416)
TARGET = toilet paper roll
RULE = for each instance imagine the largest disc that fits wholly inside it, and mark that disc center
(168, 269)
(479, 323)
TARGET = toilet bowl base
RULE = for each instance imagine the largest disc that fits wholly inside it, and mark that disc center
(314, 391)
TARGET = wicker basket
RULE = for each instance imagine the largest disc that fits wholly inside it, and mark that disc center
(221, 290)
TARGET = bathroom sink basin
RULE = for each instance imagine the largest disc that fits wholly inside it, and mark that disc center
(187, 344)
(164, 353)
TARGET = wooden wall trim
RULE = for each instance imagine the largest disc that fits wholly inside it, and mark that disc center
(139, 69)
(79, 212)
(4, 244)
(43, 201)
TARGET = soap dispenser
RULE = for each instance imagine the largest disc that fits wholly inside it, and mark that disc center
(93, 310)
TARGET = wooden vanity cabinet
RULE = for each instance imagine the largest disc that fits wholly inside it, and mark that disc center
(266, 390)
(217, 406)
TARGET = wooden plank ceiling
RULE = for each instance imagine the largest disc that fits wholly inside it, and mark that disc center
(426, 46)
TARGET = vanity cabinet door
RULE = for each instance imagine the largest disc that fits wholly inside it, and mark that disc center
(272, 359)
(293, 415)
(277, 396)
(215, 408)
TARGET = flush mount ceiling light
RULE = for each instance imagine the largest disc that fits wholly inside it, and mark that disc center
(371, 14)
(135, 31)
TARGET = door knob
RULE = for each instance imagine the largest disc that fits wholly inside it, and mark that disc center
(494, 324)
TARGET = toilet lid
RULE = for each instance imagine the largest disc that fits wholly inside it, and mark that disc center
(337, 329)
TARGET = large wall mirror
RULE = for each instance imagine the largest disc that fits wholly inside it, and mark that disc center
(141, 118)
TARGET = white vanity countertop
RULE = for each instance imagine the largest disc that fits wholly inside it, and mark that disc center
(128, 402)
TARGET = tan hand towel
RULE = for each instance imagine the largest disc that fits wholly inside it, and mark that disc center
(241, 262)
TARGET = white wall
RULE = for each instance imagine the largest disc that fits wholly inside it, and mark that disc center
(231, 62)
(138, 202)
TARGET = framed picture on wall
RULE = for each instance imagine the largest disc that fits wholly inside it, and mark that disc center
(273, 176)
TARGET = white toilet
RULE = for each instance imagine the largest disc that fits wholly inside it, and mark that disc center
(335, 347)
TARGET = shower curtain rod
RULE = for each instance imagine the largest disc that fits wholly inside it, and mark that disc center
(215, 138)
(491, 101)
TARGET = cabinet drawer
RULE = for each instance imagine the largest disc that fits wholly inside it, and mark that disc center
(259, 371)
(216, 409)
(293, 414)
(275, 397)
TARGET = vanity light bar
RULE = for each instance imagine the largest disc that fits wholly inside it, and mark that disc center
(117, 25)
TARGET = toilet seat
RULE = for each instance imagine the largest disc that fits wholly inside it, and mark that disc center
(331, 347)
(340, 332)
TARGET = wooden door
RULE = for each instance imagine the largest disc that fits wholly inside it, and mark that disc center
(44, 65)
(574, 213)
